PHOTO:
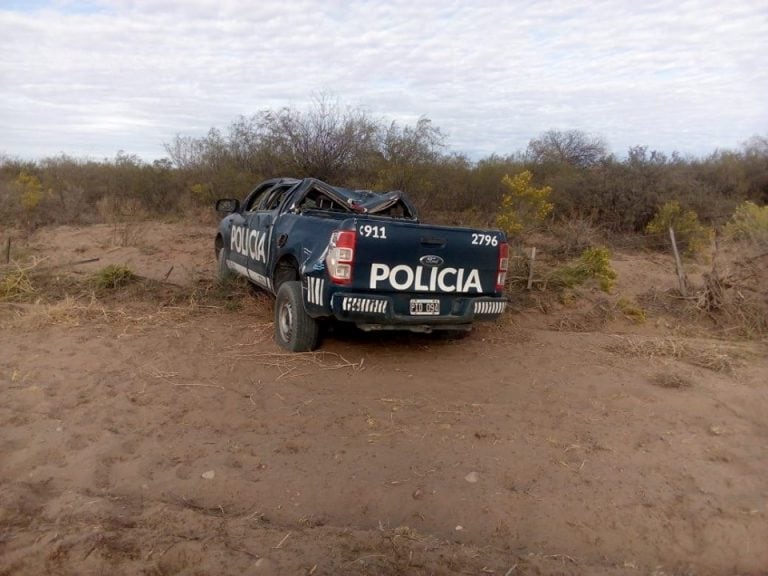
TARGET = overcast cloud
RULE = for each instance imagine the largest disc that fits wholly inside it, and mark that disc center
(92, 78)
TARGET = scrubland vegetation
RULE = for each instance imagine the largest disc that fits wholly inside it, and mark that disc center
(587, 181)
(567, 187)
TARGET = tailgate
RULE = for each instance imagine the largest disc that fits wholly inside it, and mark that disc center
(403, 257)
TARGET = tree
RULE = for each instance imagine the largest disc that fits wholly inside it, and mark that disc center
(405, 149)
(571, 147)
(756, 160)
(325, 142)
(186, 152)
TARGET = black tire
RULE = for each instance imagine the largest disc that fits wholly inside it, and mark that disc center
(223, 273)
(295, 330)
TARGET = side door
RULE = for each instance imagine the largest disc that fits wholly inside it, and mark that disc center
(259, 223)
(238, 235)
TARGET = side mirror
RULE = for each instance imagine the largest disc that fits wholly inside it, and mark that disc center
(227, 205)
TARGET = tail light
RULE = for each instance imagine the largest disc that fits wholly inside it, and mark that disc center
(501, 271)
(341, 256)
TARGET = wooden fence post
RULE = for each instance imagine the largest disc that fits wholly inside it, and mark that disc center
(8, 251)
(530, 267)
(678, 264)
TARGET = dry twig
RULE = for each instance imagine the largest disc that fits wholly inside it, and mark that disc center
(279, 544)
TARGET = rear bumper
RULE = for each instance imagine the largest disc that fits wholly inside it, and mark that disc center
(385, 312)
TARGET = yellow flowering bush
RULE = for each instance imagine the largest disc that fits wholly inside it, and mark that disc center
(689, 232)
(524, 205)
(749, 222)
(31, 190)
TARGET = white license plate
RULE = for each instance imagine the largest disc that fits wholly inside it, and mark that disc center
(425, 307)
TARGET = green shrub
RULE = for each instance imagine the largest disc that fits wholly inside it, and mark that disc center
(113, 276)
(689, 232)
(594, 263)
(749, 222)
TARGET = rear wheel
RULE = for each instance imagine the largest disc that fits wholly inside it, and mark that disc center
(295, 330)
(223, 273)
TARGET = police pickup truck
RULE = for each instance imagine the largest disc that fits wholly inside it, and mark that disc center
(360, 257)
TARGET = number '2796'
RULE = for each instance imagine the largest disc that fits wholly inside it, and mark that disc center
(485, 240)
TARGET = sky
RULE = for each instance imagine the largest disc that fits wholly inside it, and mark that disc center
(91, 78)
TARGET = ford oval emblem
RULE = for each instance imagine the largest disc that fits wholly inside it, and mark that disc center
(431, 260)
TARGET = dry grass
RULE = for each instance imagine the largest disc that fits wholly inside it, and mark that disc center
(517, 274)
(670, 380)
(36, 295)
(16, 285)
(631, 310)
(594, 313)
(400, 550)
(291, 364)
(34, 281)
(16, 280)
(591, 320)
(713, 357)
(68, 311)
(665, 302)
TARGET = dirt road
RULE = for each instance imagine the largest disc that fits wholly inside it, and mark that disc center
(145, 439)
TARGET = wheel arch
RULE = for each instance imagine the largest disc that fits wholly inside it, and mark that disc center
(286, 269)
(218, 243)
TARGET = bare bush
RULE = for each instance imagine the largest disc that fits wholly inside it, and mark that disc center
(734, 291)
(572, 147)
(126, 216)
(574, 235)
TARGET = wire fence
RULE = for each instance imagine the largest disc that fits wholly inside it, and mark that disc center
(536, 260)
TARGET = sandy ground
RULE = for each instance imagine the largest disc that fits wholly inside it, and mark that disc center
(146, 438)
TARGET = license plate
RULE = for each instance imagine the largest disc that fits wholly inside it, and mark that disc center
(424, 307)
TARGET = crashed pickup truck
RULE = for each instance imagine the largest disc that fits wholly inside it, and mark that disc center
(357, 256)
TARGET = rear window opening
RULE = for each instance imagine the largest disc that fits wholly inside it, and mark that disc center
(388, 204)
(318, 200)
(330, 199)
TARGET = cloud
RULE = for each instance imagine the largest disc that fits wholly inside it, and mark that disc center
(95, 77)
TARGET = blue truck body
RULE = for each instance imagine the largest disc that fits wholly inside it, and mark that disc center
(360, 257)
